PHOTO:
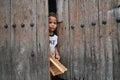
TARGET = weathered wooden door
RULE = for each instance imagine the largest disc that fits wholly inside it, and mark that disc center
(24, 40)
(5, 54)
(89, 39)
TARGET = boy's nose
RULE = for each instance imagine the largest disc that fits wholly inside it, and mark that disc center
(52, 23)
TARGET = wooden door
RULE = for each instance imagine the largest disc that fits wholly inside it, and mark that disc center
(115, 27)
(89, 39)
(24, 44)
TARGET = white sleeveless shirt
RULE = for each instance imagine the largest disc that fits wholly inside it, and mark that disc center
(53, 43)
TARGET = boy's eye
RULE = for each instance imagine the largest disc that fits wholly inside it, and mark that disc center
(54, 22)
(50, 22)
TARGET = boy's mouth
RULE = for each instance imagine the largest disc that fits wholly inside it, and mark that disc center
(51, 29)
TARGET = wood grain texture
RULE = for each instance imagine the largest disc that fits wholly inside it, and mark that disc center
(116, 42)
(23, 53)
(92, 47)
(79, 44)
(94, 39)
(59, 10)
(29, 52)
(89, 52)
(23, 40)
(64, 41)
(5, 52)
(87, 55)
(105, 42)
(42, 39)
(74, 29)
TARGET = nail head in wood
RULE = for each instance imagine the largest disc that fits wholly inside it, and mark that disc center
(14, 25)
(93, 23)
(6, 25)
(22, 25)
(118, 19)
(104, 22)
(32, 24)
(32, 55)
(82, 25)
(72, 26)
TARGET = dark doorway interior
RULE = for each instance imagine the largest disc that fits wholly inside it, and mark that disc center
(52, 6)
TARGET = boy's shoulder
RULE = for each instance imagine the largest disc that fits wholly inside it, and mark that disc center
(55, 35)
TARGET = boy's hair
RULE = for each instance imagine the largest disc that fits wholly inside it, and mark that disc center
(52, 14)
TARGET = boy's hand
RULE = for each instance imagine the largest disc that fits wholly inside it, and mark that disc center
(57, 57)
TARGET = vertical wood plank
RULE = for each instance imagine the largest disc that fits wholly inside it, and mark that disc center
(115, 41)
(79, 41)
(102, 42)
(94, 39)
(42, 39)
(108, 42)
(23, 40)
(64, 40)
(105, 41)
(73, 14)
(76, 40)
(59, 10)
(118, 32)
(5, 52)
(87, 57)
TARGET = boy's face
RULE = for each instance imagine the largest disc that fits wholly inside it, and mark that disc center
(52, 23)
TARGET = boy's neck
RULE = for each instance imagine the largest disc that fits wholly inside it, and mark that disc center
(51, 33)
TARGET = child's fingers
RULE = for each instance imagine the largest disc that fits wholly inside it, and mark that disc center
(58, 57)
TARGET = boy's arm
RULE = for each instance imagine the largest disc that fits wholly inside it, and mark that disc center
(57, 54)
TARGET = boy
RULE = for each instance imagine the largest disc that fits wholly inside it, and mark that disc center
(53, 39)
(52, 36)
